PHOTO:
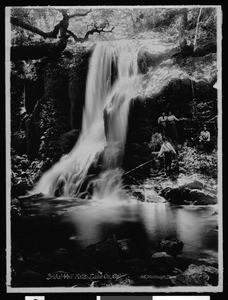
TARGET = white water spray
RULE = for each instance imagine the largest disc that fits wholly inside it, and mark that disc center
(104, 126)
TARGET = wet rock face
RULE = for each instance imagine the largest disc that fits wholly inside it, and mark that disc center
(147, 59)
(68, 140)
(59, 96)
(195, 103)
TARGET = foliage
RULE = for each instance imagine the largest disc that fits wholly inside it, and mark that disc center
(134, 23)
(156, 18)
(53, 124)
(129, 22)
(42, 18)
(24, 174)
(192, 161)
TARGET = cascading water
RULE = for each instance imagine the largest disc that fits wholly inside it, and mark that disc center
(104, 126)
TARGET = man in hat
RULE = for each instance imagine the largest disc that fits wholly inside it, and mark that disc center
(166, 151)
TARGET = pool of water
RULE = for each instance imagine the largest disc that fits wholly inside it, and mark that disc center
(80, 223)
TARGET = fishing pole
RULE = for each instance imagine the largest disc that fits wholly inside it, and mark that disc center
(139, 166)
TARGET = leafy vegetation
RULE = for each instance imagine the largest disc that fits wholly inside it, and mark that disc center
(126, 23)
(192, 161)
(147, 27)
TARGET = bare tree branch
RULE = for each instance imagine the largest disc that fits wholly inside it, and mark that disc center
(96, 29)
(44, 49)
(22, 24)
(90, 32)
(73, 35)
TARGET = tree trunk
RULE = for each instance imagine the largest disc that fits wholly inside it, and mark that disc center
(182, 28)
(197, 28)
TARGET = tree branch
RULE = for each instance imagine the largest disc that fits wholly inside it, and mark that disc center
(61, 26)
(90, 32)
(73, 35)
(40, 50)
(96, 29)
(22, 24)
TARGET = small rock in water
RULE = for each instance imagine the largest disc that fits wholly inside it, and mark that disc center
(160, 254)
(124, 245)
(172, 247)
(127, 248)
(139, 196)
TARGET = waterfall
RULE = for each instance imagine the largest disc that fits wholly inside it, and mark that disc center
(104, 124)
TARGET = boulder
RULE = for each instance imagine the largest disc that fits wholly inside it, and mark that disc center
(171, 247)
(197, 276)
(160, 254)
(185, 195)
(202, 197)
(195, 184)
(153, 197)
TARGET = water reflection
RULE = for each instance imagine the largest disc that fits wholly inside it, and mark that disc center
(150, 222)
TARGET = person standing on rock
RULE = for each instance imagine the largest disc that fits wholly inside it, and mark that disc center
(162, 123)
(171, 126)
(166, 151)
(204, 139)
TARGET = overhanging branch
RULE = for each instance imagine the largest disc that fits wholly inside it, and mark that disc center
(62, 25)
(22, 24)
(40, 50)
(96, 29)
(90, 32)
